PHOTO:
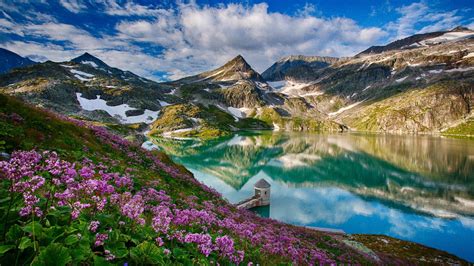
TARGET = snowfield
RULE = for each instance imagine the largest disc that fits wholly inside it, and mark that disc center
(344, 109)
(163, 103)
(236, 113)
(448, 37)
(294, 89)
(91, 63)
(116, 111)
(401, 79)
(82, 76)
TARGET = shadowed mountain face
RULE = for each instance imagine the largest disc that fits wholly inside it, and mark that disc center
(297, 67)
(10, 60)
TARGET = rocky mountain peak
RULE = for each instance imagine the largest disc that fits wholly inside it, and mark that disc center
(89, 59)
(235, 69)
(461, 28)
(238, 63)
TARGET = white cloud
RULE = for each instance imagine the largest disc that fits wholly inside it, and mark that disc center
(194, 38)
(416, 14)
(129, 9)
(205, 37)
(74, 6)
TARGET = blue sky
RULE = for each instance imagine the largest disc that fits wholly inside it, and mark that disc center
(170, 39)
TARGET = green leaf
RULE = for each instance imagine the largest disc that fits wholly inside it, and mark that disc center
(81, 252)
(100, 261)
(71, 240)
(53, 255)
(6, 248)
(147, 253)
(14, 233)
(25, 243)
(118, 249)
(35, 227)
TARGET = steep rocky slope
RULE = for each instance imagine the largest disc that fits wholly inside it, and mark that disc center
(421, 84)
(238, 90)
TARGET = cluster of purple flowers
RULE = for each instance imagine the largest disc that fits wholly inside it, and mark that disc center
(86, 187)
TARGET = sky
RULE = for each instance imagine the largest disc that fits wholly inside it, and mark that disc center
(170, 39)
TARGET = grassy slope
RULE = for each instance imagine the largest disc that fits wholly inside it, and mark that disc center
(425, 109)
(36, 129)
(213, 121)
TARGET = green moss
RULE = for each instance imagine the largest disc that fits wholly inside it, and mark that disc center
(466, 129)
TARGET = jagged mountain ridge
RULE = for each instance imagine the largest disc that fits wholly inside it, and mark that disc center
(66, 86)
(238, 90)
(439, 75)
(360, 93)
(10, 60)
(421, 39)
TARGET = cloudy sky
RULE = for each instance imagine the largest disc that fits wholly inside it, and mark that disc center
(165, 40)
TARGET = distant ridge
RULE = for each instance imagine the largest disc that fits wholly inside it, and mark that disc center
(10, 60)
(412, 41)
(293, 64)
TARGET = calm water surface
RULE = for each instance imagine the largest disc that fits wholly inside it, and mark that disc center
(418, 188)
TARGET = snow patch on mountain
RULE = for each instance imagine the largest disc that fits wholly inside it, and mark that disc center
(82, 76)
(344, 109)
(469, 55)
(401, 79)
(460, 69)
(91, 63)
(293, 88)
(236, 113)
(116, 111)
(448, 37)
(163, 103)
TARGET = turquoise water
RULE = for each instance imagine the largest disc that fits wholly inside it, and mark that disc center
(418, 188)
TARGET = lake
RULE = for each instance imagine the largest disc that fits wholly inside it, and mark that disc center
(417, 188)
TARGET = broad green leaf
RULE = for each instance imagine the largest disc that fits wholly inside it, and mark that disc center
(33, 227)
(118, 249)
(6, 248)
(81, 252)
(71, 240)
(53, 255)
(100, 261)
(147, 253)
(14, 233)
(25, 242)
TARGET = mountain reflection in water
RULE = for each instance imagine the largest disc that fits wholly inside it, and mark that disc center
(419, 188)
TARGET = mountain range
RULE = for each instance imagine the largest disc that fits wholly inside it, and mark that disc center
(421, 84)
